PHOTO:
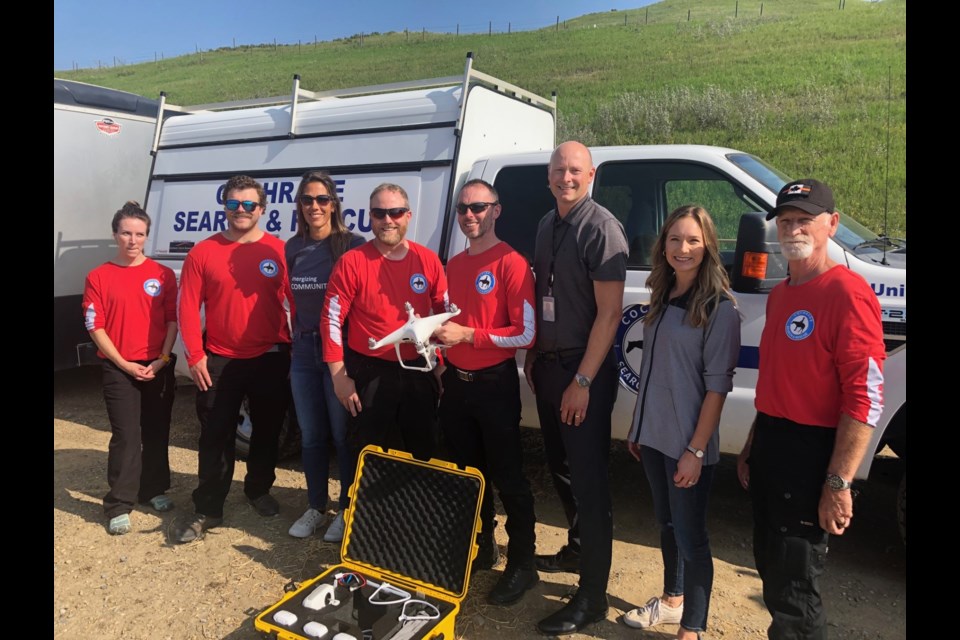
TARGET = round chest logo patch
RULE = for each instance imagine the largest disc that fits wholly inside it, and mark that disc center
(418, 282)
(799, 325)
(485, 282)
(628, 345)
(269, 268)
(152, 287)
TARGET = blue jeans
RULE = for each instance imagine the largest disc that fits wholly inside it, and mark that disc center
(321, 416)
(684, 544)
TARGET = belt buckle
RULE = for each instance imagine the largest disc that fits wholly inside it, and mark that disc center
(466, 376)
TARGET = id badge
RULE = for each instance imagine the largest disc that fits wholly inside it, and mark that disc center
(549, 314)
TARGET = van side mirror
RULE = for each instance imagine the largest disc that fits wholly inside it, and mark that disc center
(758, 265)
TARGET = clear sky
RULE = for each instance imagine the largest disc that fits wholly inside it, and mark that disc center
(91, 32)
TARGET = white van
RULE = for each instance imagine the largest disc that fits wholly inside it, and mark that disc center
(431, 136)
(101, 159)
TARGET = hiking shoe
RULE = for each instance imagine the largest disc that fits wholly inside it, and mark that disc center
(194, 528)
(513, 583)
(653, 613)
(119, 525)
(266, 505)
(334, 532)
(161, 503)
(307, 524)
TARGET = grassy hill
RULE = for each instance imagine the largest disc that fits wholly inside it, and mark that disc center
(808, 86)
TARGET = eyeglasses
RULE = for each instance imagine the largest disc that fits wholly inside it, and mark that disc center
(307, 200)
(475, 207)
(395, 213)
(248, 205)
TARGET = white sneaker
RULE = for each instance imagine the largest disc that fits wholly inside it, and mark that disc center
(335, 530)
(307, 524)
(653, 613)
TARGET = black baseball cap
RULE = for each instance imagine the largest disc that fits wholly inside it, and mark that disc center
(808, 195)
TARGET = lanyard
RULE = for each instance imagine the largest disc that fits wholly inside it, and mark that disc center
(556, 247)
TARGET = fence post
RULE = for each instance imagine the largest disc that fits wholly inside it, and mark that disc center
(424, 37)
(558, 24)
(646, 16)
(688, 15)
(361, 39)
(298, 47)
(508, 29)
(761, 9)
(490, 28)
(458, 29)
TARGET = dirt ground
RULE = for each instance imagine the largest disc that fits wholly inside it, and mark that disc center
(142, 586)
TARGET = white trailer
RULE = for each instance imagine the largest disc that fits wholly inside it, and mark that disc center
(101, 158)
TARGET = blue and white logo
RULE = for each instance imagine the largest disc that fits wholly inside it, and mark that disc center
(418, 282)
(628, 345)
(269, 268)
(485, 282)
(799, 325)
(152, 287)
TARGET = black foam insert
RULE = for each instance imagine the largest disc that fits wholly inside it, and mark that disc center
(414, 520)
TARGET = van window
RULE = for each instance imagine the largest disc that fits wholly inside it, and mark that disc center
(524, 197)
(641, 194)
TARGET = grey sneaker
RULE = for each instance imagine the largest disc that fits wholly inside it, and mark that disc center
(653, 613)
(307, 524)
(335, 530)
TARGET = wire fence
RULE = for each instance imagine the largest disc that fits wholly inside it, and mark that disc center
(649, 15)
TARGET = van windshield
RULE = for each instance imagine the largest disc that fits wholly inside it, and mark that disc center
(851, 235)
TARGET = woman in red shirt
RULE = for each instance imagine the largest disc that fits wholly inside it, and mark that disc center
(129, 307)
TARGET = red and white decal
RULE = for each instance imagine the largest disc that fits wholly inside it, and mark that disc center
(108, 127)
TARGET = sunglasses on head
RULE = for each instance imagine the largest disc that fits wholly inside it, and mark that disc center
(475, 207)
(248, 205)
(395, 213)
(307, 200)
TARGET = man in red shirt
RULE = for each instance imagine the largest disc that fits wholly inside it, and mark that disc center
(819, 396)
(480, 406)
(389, 406)
(239, 277)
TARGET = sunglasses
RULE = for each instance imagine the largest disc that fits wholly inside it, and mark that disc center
(475, 207)
(248, 205)
(395, 213)
(307, 200)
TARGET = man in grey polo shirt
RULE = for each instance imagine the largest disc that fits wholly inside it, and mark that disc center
(580, 262)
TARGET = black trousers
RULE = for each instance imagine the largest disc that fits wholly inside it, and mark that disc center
(788, 463)
(480, 420)
(264, 381)
(138, 466)
(399, 407)
(578, 458)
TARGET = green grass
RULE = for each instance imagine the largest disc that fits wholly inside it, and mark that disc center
(805, 86)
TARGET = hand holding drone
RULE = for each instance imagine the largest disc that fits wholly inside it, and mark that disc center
(418, 331)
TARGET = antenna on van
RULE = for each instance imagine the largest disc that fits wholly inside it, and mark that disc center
(886, 177)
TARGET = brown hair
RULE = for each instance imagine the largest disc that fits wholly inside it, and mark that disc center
(339, 233)
(239, 183)
(130, 209)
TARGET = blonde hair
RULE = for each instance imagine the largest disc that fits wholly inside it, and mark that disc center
(712, 283)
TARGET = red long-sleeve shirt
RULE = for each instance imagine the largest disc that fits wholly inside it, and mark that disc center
(367, 291)
(133, 305)
(822, 351)
(494, 291)
(242, 287)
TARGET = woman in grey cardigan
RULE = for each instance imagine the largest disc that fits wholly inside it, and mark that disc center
(691, 341)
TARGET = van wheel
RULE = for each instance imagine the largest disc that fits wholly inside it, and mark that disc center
(902, 508)
(290, 439)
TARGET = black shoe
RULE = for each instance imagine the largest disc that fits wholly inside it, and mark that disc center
(511, 586)
(487, 555)
(194, 528)
(575, 615)
(566, 560)
(266, 505)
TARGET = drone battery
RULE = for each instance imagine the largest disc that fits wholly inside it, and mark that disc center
(410, 533)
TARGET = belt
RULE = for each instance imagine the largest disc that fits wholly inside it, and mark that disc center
(559, 354)
(304, 334)
(490, 374)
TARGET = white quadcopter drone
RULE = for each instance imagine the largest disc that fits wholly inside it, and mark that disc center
(417, 331)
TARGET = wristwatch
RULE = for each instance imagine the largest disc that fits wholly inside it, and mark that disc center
(837, 483)
(582, 380)
(696, 452)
